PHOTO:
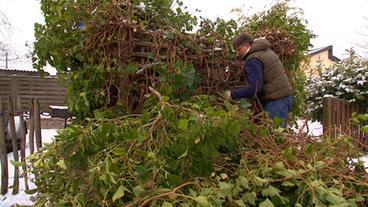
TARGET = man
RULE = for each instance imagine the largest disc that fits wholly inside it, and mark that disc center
(266, 77)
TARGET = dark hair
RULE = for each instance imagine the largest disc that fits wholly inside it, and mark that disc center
(241, 40)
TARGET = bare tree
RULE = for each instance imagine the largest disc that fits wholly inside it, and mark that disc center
(5, 28)
(364, 44)
(7, 52)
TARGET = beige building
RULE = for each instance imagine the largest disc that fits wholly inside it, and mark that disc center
(319, 60)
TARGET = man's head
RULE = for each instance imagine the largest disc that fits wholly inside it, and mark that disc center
(242, 44)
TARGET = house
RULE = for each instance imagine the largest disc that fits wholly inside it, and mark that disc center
(319, 59)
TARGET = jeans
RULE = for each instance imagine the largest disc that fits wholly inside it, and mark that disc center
(278, 108)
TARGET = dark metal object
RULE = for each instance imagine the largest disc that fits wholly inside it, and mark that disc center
(61, 112)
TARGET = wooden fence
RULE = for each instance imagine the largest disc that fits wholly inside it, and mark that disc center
(337, 119)
(18, 138)
(47, 90)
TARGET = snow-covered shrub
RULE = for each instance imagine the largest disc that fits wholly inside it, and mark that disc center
(346, 80)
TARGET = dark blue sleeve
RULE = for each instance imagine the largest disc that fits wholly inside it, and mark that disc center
(254, 72)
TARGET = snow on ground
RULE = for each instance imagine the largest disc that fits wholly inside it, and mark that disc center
(22, 198)
(313, 128)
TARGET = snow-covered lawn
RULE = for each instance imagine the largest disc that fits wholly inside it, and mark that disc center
(22, 198)
(314, 129)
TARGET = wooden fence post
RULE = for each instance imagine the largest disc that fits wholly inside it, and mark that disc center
(3, 152)
(14, 89)
(14, 144)
(338, 116)
(31, 126)
(333, 117)
(348, 116)
(22, 133)
(361, 135)
(343, 117)
(37, 126)
(327, 108)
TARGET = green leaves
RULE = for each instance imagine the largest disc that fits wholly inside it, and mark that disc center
(16, 163)
(61, 164)
(334, 199)
(270, 191)
(202, 201)
(260, 181)
(250, 198)
(138, 190)
(266, 203)
(142, 172)
(119, 193)
(183, 124)
(226, 190)
(137, 157)
(166, 204)
(243, 182)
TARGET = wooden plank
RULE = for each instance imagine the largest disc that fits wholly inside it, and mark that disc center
(365, 134)
(45, 99)
(355, 126)
(3, 153)
(14, 90)
(5, 86)
(327, 109)
(31, 126)
(343, 117)
(39, 91)
(333, 117)
(42, 94)
(361, 136)
(45, 88)
(348, 116)
(37, 116)
(40, 85)
(38, 80)
(14, 145)
(338, 115)
(22, 132)
(48, 80)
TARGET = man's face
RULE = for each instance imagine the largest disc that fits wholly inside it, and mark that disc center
(242, 50)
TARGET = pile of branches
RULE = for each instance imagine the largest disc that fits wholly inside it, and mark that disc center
(196, 153)
(140, 51)
(282, 44)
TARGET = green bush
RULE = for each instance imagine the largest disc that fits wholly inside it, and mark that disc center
(346, 80)
(194, 154)
(88, 43)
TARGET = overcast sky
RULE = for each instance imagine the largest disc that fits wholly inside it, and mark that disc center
(339, 23)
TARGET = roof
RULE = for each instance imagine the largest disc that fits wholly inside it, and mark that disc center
(20, 72)
(329, 48)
